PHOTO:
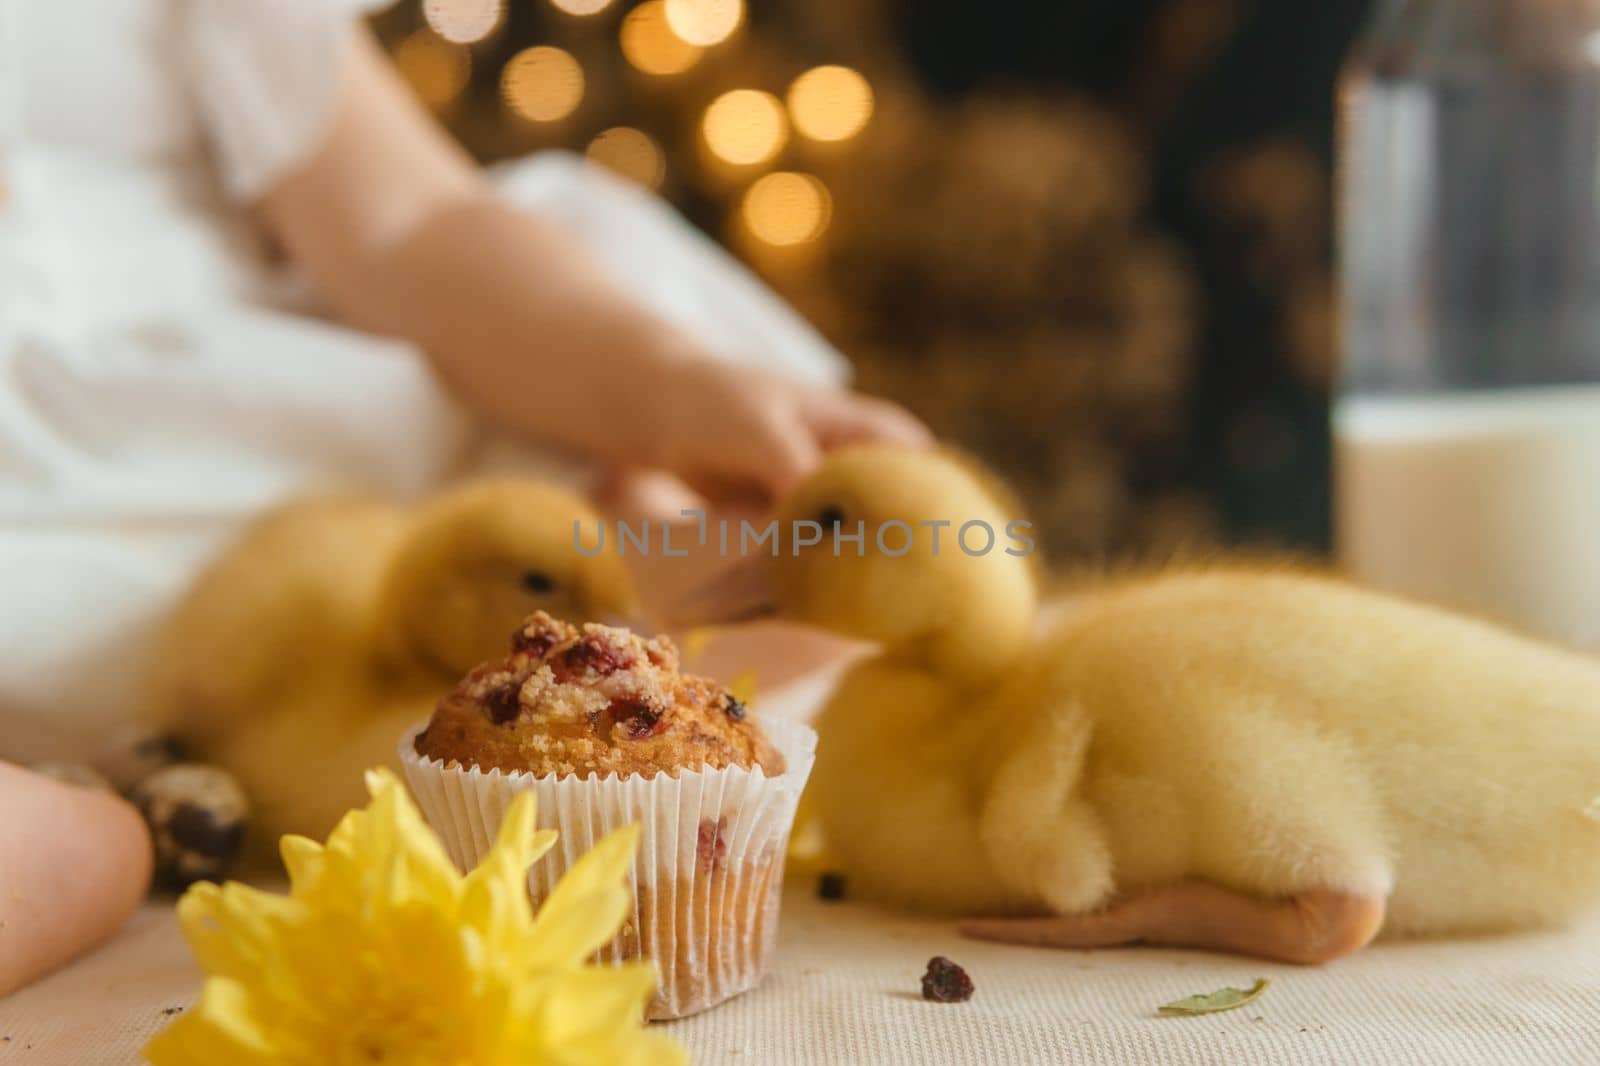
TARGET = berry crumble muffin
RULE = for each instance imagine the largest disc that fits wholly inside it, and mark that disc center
(603, 727)
(593, 700)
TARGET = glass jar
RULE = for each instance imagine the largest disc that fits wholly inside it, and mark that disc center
(1467, 425)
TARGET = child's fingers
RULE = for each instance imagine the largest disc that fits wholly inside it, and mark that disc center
(74, 864)
(849, 418)
(789, 441)
(783, 452)
(638, 492)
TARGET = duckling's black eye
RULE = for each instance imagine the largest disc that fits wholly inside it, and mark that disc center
(538, 582)
(830, 517)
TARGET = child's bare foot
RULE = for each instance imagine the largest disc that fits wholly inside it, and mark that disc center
(74, 864)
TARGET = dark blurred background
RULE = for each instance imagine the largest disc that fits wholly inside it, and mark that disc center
(1089, 240)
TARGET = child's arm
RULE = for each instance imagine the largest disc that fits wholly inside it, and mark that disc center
(74, 863)
(405, 237)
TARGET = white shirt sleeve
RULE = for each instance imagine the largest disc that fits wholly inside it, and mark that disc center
(265, 74)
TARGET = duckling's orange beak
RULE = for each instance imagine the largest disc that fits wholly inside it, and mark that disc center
(741, 592)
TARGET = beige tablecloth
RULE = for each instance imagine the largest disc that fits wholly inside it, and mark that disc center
(845, 991)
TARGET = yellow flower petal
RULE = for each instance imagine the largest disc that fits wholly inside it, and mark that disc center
(302, 857)
(220, 1028)
(380, 779)
(586, 1018)
(385, 848)
(496, 893)
(585, 908)
(519, 842)
(383, 953)
(590, 1004)
(517, 845)
(231, 928)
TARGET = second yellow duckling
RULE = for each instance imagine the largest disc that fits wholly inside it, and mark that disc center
(1238, 757)
(299, 656)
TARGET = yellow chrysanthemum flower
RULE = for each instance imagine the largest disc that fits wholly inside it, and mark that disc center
(382, 953)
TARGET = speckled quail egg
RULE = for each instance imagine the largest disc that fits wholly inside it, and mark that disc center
(197, 816)
(134, 753)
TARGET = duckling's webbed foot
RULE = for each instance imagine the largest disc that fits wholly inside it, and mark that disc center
(1315, 926)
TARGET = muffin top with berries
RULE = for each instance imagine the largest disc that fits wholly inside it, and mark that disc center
(592, 700)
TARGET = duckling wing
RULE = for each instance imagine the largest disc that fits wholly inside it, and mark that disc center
(288, 602)
(1299, 725)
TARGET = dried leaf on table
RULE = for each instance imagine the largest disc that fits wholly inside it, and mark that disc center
(1220, 1000)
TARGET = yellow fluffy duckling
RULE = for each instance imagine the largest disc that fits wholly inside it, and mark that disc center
(1237, 757)
(300, 656)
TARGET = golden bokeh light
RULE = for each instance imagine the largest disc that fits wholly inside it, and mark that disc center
(542, 84)
(704, 22)
(650, 44)
(745, 126)
(463, 21)
(786, 208)
(581, 7)
(436, 69)
(830, 103)
(631, 153)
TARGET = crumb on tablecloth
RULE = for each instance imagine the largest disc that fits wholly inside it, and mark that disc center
(946, 982)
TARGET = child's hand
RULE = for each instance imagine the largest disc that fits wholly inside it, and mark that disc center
(74, 863)
(403, 236)
(733, 432)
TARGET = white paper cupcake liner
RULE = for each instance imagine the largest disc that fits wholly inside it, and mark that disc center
(709, 872)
